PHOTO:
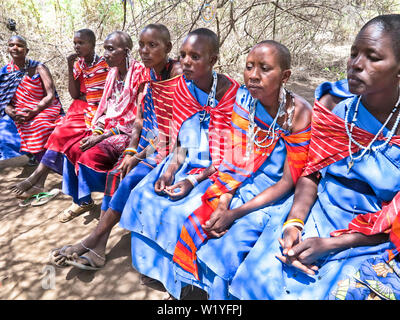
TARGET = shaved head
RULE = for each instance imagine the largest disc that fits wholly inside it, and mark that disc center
(124, 40)
(283, 52)
(88, 35)
(209, 36)
(20, 38)
(162, 30)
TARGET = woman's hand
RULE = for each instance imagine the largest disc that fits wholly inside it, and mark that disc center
(179, 190)
(71, 59)
(91, 141)
(127, 164)
(29, 114)
(219, 223)
(10, 111)
(291, 237)
(304, 254)
(164, 181)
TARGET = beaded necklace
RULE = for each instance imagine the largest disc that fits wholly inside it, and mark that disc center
(270, 134)
(369, 147)
(211, 98)
(93, 61)
(24, 69)
(118, 88)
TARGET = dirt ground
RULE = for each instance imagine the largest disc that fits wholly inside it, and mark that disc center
(28, 234)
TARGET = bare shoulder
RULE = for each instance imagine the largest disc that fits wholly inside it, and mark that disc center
(302, 113)
(223, 85)
(176, 69)
(329, 101)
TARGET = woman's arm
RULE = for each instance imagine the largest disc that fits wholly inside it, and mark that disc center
(222, 218)
(49, 94)
(182, 188)
(73, 84)
(305, 254)
(131, 160)
(304, 197)
(167, 177)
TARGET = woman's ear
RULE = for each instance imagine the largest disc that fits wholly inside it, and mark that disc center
(213, 59)
(168, 47)
(286, 75)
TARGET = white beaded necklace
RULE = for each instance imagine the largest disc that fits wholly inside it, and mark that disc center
(369, 146)
(211, 97)
(93, 61)
(253, 131)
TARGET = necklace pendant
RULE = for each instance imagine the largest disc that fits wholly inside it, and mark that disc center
(349, 166)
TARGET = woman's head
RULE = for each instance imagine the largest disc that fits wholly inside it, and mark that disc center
(374, 62)
(117, 47)
(17, 47)
(154, 46)
(84, 43)
(199, 53)
(267, 69)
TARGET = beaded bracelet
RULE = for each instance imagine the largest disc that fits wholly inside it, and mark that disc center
(114, 131)
(293, 222)
(130, 151)
(152, 144)
(98, 131)
(192, 179)
(137, 158)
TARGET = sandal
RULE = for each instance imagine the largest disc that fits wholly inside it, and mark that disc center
(52, 256)
(91, 264)
(26, 202)
(73, 211)
(45, 197)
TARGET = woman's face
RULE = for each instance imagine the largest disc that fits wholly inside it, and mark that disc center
(152, 49)
(114, 53)
(196, 58)
(263, 75)
(372, 66)
(83, 47)
(17, 48)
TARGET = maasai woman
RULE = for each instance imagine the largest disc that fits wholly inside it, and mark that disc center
(28, 97)
(159, 204)
(137, 161)
(88, 158)
(353, 167)
(86, 83)
(270, 138)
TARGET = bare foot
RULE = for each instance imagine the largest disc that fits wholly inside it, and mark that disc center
(59, 256)
(30, 192)
(21, 187)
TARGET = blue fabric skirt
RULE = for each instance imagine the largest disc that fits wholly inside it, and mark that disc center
(342, 195)
(10, 141)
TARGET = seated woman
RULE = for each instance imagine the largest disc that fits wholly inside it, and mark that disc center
(29, 98)
(158, 205)
(269, 148)
(86, 82)
(353, 168)
(138, 159)
(90, 156)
